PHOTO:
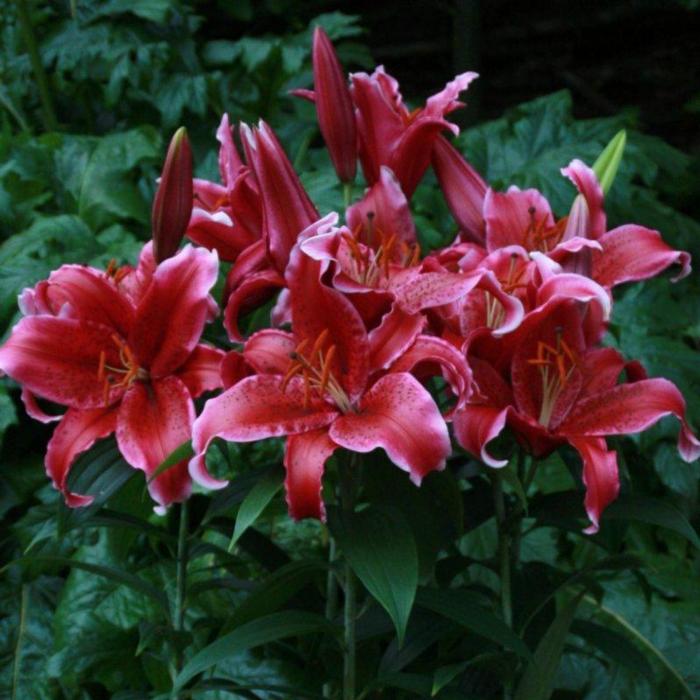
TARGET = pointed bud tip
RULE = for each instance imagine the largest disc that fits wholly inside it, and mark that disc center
(172, 205)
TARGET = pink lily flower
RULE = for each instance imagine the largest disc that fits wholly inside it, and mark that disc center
(625, 254)
(121, 351)
(558, 389)
(391, 135)
(322, 387)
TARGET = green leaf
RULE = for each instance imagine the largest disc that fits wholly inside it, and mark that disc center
(282, 585)
(608, 161)
(180, 453)
(109, 572)
(280, 625)
(654, 512)
(614, 646)
(445, 675)
(255, 503)
(381, 550)
(465, 608)
(536, 683)
(617, 618)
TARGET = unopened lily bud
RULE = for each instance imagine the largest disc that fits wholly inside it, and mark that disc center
(463, 187)
(172, 205)
(336, 116)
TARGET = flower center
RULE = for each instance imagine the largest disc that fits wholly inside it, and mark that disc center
(119, 377)
(556, 365)
(539, 236)
(315, 368)
(371, 266)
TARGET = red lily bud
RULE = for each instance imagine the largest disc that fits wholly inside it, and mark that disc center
(336, 116)
(463, 187)
(172, 205)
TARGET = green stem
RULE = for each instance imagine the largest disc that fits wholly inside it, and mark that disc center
(503, 548)
(24, 597)
(349, 637)
(347, 194)
(42, 82)
(331, 598)
(347, 500)
(181, 581)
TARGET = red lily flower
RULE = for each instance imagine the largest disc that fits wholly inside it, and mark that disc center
(627, 253)
(321, 386)
(120, 350)
(391, 135)
(558, 389)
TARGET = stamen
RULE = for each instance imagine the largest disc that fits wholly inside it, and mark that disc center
(326, 365)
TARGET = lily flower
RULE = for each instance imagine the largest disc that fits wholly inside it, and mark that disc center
(625, 254)
(559, 390)
(391, 135)
(121, 351)
(322, 388)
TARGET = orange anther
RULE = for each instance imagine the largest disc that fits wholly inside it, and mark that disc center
(327, 362)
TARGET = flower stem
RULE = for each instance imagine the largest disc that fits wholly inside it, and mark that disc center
(181, 581)
(347, 500)
(42, 82)
(331, 598)
(347, 194)
(503, 548)
(349, 637)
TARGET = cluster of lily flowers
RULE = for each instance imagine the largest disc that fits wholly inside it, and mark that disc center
(508, 318)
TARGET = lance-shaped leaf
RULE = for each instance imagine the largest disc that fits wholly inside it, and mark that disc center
(381, 550)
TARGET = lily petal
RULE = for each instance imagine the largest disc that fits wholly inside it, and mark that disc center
(304, 459)
(437, 352)
(268, 351)
(509, 215)
(400, 416)
(58, 359)
(600, 475)
(587, 216)
(171, 316)
(251, 293)
(76, 433)
(202, 370)
(463, 187)
(252, 409)
(393, 336)
(153, 421)
(632, 253)
(475, 426)
(631, 408)
(35, 411)
(383, 212)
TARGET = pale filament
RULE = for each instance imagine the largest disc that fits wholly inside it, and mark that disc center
(315, 369)
(556, 365)
(127, 374)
